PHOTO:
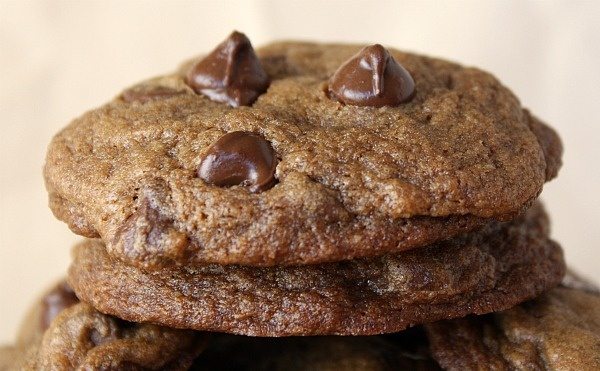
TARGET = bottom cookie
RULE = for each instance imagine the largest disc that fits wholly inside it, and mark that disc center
(560, 330)
(60, 333)
(488, 270)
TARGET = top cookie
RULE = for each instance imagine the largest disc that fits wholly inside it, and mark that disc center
(326, 169)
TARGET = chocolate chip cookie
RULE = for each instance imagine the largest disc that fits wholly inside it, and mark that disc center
(79, 337)
(560, 330)
(60, 333)
(297, 153)
(491, 269)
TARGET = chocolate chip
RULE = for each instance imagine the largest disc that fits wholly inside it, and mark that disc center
(240, 158)
(231, 73)
(61, 297)
(147, 94)
(372, 78)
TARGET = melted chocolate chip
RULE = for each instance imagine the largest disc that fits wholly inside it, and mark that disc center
(372, 78)
(61, 297)
(231, 73)
(145, 94)
(240, 158)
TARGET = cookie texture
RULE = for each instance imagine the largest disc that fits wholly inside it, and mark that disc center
(351, 181)
(403, 351)
(488, 270)
(83, 338)
(560, 330)
(79, 337)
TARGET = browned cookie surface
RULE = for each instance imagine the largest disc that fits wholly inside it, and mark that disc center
(560, 330)
(484, 271)
(349, 181)
(403, 351)
(61, 334)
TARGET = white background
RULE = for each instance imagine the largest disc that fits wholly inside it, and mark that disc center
(59, 58)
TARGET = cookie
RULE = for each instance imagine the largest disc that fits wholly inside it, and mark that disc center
(298, 153)
(403, 351)
(79, 337)
(42, 313)
(557, 331)
(492, 269)
(62, 334)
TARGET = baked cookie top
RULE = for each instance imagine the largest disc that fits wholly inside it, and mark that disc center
(556, 331)
(320, 176)
(488, 270)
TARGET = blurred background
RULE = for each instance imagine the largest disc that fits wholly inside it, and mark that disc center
(59, 58)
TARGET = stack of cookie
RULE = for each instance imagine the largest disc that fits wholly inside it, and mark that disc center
(277, 198)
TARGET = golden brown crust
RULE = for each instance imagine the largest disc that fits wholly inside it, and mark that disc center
(560, 330)
(489, 270)
(353, 181)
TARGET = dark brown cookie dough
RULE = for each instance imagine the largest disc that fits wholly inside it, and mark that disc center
(560, 330)
(403, 351)
(352, 181)
(79, 337)
(493, 269)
